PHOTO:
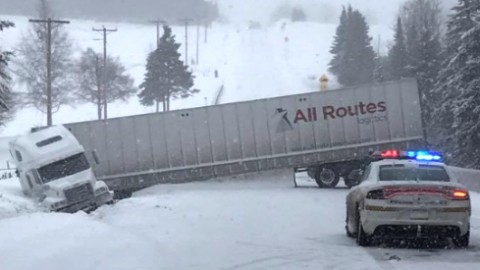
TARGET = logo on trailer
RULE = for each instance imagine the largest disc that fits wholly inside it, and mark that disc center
(366, 114)
(284, 124)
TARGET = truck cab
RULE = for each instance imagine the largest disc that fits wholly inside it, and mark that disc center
(52, 168)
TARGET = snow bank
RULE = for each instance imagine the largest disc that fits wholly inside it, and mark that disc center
(65, 241)
(13, 202)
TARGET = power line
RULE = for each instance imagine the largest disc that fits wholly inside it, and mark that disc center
(49, 23)
(105, 31)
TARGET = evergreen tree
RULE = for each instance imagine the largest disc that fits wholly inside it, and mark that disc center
(398, 55)
(380, 73)
(422, 21)
(458, 113)
(298, 15)
(89, 78)
(354, 58)
(166, 75)
(6, 99)
(339, 45)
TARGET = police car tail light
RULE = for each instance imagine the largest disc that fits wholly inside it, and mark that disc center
(376, 195)
(458, 194)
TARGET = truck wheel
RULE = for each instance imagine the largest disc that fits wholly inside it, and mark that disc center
(326, 177)
(353, 178)
(462, 241)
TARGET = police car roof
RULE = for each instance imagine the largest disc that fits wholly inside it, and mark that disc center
(407, 162)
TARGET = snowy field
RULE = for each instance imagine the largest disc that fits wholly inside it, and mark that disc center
(251, 222)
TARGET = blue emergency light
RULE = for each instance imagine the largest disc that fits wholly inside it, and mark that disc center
(427, 156)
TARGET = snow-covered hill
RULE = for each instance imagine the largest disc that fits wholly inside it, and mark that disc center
(278, 59)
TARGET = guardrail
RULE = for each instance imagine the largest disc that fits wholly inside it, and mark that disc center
(6, 174)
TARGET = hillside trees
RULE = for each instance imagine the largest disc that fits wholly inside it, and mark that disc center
(457, 114)
(6, 96)
(422, 23)
(398, 54)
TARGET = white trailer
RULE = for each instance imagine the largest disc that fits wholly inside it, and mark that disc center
(52, 168)
(326, 133)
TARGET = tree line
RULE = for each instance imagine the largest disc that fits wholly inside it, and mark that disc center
(444, 57)
(88, 79)
(121, 10)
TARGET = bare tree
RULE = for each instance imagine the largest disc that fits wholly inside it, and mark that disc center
(31, 62)
(88, 77)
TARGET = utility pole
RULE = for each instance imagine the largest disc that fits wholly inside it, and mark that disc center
(158, 22)
(206, 32)
(104, 81)
(98, 78)
(49, 23)
(186, 21)
(198, 43)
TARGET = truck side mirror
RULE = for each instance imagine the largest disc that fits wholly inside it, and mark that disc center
(95, 157)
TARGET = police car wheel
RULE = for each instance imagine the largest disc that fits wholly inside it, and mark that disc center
(363, 239)
(462, 241)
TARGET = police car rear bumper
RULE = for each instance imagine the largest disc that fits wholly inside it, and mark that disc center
(454, 220)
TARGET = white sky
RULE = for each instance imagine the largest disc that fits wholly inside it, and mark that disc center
(377, 11)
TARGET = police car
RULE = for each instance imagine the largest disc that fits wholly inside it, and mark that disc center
(408, 195)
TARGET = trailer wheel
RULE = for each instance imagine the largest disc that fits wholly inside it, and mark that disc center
(327, 177)
(353, 178)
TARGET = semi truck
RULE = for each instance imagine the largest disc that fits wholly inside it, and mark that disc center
(324, 133)
(52, 168)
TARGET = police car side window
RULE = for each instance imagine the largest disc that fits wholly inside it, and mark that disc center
(366, 173)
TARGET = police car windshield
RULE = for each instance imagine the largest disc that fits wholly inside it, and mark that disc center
(409, 173)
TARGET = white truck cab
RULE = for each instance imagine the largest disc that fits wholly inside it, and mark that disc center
(52, 167)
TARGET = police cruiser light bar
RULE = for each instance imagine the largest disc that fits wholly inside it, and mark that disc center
(420, 155)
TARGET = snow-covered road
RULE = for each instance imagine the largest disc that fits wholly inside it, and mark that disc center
(250, 223)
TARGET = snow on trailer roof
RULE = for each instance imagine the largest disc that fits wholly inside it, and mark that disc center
(43, 144)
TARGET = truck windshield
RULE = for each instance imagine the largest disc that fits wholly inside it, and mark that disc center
(421, 173)
(64, 167)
